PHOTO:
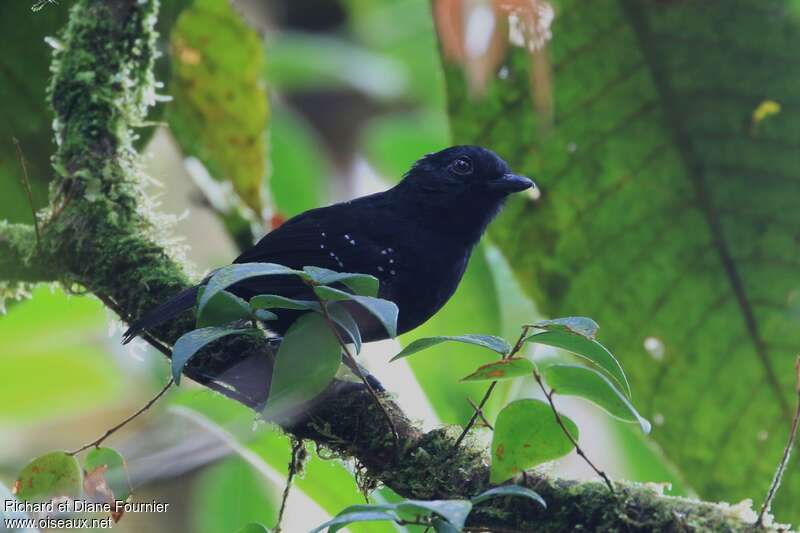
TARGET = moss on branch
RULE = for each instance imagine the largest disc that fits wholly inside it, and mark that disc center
(96, 233)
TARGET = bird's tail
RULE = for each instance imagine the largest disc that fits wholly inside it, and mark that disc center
(171, 308)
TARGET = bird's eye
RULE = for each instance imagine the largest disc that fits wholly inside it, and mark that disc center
(462, 166)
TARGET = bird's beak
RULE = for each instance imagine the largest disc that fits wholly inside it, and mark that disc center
(509, 183)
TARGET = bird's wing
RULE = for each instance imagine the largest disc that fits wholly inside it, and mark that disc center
(322, 237)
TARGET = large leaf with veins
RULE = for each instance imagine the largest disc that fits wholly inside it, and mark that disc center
(668, 213)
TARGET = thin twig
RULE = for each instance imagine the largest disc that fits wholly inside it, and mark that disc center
(97, 442)
(27, 184)
(787, 452)
(480, 414)
(560, 421)
(293, 468)
(357, 369)
(479, 409)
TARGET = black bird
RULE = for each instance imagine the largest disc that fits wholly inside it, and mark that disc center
(416, 238)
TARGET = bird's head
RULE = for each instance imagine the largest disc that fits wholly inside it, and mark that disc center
(465, 172)
(462, 188)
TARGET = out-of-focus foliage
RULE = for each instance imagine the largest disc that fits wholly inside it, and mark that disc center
(299, 167)
(25, 69)
(667, 213)
(230, 495)
(219, 113)
(327, 482)
(66, 371)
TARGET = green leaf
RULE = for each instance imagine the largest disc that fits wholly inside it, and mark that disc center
(230, 493)
(273, 301)
(54, 336)
(588, 349)
(362, 284)
(306, 363)
(299, 166)
(441, 525)
(667, 214)
(342, 317)
(526, 434)
(264, 315)
(496, 344)
(503, 369)
(595, 387)
(229, 275)
(254, 528)
(222, 309)
(6, 496)
(384, 310)
(49, 476)
(116, 470)
(363, 513)
(579, 325)
(509, 490)
(192, 342)
(219, 110)
(330, 294)
(306, 61)
(454, 511)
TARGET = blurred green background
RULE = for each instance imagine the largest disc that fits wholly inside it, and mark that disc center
(639, 120)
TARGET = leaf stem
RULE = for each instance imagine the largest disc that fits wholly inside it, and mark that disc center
(787, 452)
(560, 421)
(26, 183)
(357, 369)
(97, 442)
(478, 411)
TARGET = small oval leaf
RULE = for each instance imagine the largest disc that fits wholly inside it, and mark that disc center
(362, 284)
(503, 369)
(273, 301)
(329, 294)
(52, 475)
(588, 349)
(114, 470)
(509, 490)
(496, 344)
(454, 511)
(590, 384)
(526, 434)
(345, 320)
(579, 325)
(223, 309)
(306, 363)
(356, 513)
(192, 342)
(384, 310)
(231, 274)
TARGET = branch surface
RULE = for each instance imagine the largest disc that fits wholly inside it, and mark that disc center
(97, 233)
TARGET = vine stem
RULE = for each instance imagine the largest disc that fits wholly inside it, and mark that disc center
(549, 395)
(478, 411)
(357, 369)
(97, 442)
(787, 452)
(293, 467)
(27, 184)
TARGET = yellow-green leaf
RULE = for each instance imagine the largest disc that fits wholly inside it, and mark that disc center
(526, 434)
(502, 369)
(49, 476)
(219, 113)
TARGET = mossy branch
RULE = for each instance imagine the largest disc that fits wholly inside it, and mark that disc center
(96, 234)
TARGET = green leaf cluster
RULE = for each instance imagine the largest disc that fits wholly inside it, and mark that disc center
(310, 352)
(530, 432)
